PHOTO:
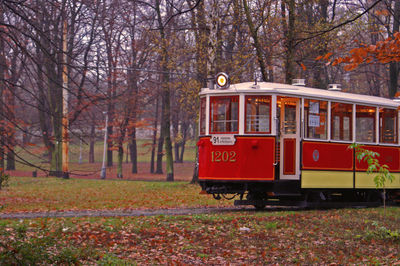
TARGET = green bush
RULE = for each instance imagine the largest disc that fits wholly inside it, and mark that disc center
(18, 248)
(111, 259)
(383, 233)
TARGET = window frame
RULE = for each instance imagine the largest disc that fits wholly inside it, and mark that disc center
(374, 123)
(341, 123)
(305, 119)
(212, 101)
(395, 128)
(269, 117)
(203, 114)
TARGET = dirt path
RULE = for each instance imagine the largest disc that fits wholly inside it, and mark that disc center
(121, 213)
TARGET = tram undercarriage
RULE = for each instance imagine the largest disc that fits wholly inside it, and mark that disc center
(289, 193)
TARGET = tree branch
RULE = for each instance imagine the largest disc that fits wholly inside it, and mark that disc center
(339, 25)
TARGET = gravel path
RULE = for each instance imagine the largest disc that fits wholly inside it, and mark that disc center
(120, 213)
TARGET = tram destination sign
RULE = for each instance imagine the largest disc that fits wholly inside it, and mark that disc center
(223, 139)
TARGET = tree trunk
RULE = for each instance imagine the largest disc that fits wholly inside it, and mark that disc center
(134, 90)
(288, 29)
(232, 36)
(10, 158)
(195, 177)
(51, 53)
(128, 153)
(10, 100)
(92, 139)
(160, 148)
(3, 67)
(11, 132)
(26, 136)
(177, 136)
(394, 66)
(120, 159)
(55, 102)
(184, 130)
(256, 42)
(212, 41)
(56, 107)
(199, 22)
(43, 115)
(320, 80)
(203, 62)
(153, 147)
(182, 151)
(109, 142)
(168, 151)
(110, 104)
(169, 168)
(166, 112)
(133, 151)
(176, 150)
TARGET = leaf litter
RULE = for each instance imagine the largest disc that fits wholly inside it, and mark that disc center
(300, 237)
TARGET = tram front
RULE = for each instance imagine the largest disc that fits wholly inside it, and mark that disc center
(236, 143)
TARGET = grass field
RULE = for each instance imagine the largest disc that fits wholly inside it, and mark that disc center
(48, 194)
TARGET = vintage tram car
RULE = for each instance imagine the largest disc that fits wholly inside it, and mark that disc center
(275, 143)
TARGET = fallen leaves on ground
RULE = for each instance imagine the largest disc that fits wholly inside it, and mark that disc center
(300, 237)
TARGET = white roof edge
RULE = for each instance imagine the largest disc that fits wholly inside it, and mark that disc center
(286, 89)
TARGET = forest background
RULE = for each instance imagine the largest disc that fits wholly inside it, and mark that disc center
(135, 68)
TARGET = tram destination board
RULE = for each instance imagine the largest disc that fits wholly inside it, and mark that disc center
(223, 139)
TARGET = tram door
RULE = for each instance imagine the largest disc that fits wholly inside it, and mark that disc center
(289, 138)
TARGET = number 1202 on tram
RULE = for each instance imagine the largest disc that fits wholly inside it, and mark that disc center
(273, 143)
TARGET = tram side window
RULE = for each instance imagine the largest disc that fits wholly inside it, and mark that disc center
(315, 119)
(258, 114)
(388, 125)
(341, 121)
(224, 114)
(365, 123)
(202, 116)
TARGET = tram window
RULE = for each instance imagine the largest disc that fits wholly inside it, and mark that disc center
(365, 123)
(258, 114)
(224, 114)
(315, 119)
(388, 125)
(202, 116)
(341, 119)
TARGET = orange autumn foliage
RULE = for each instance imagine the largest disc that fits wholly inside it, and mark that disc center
(385, 51)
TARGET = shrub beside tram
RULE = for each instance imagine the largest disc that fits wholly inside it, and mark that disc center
(274, 143)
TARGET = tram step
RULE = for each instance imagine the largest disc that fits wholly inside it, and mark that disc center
(287, 194)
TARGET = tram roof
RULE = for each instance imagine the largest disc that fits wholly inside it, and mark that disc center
(300, 91)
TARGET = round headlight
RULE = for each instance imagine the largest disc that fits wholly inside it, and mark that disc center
(222, 80)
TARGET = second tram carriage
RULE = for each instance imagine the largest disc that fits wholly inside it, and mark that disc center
(275, 142)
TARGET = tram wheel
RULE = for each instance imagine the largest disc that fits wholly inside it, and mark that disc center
(259, 198)
(259, 206)
(375, 196)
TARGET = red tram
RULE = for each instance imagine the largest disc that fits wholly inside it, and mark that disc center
(275, 143)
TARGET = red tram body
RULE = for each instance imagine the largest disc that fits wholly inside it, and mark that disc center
(273, 141)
